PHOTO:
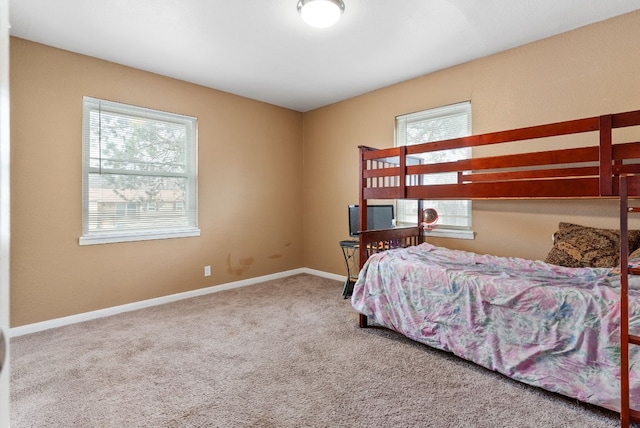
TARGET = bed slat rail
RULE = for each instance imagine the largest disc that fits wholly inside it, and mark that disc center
(375, 241)
(397, 173)
(556, 188)
(521, 134)
(533, 159)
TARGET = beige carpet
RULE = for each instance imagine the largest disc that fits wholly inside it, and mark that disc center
(285, 353)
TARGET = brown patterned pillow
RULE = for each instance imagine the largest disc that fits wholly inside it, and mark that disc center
(635, 255)
(633, 261)
(582, 246)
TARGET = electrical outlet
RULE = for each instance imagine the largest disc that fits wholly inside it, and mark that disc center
(207, 271)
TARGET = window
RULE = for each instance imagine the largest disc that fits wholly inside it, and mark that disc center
(426, 126)
(138, 166)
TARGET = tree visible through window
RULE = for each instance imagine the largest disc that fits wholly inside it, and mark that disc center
(426, 126)
(139, 173)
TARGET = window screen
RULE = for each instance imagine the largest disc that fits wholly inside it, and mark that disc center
(426, 126)
(139, 173)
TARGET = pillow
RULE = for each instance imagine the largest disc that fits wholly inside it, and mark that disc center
(633, 261)
(634, 280)
(635, 255)
(582, 246)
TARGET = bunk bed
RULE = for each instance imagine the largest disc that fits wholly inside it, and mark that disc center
(581, 349)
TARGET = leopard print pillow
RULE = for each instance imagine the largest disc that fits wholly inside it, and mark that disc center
(582, 246)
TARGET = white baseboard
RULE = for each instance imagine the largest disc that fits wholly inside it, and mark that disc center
(86, 316)
(324, 274)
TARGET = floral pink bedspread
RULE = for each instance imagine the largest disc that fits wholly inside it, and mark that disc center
(548, 326)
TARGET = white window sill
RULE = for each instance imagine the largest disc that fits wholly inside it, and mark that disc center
(450, 233)
(111, 238)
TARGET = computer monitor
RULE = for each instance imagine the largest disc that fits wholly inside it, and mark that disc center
(378, 217)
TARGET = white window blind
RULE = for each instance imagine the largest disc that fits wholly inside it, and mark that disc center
(139, 173)
(426, 126)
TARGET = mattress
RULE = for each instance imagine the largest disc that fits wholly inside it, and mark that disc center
(549, 326)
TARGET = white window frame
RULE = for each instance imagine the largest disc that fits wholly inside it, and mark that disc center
(401, 136)
(182, 228)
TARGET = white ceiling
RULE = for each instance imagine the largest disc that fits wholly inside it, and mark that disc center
(261, 49)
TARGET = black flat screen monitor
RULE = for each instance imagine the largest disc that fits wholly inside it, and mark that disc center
(378, 217)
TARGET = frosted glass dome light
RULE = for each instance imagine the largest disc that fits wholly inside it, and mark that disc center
(320, 13)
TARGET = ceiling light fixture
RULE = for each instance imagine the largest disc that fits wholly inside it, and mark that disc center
(320, 13)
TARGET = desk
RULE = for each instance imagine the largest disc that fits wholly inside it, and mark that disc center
(350, 251)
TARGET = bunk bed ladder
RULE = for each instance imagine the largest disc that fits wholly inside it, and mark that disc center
(627, 414)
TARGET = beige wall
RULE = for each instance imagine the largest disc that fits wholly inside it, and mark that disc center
(250, 189)
(262, 211)
(590, 71)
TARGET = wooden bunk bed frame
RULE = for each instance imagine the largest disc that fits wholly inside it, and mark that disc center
(601, 170)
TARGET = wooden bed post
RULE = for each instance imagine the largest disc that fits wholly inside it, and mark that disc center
(606, 156)
(402, 175)
(362, 321)
(362, 214)
(420, 228)
(362, 248)
(627, 413)
(624, 305)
